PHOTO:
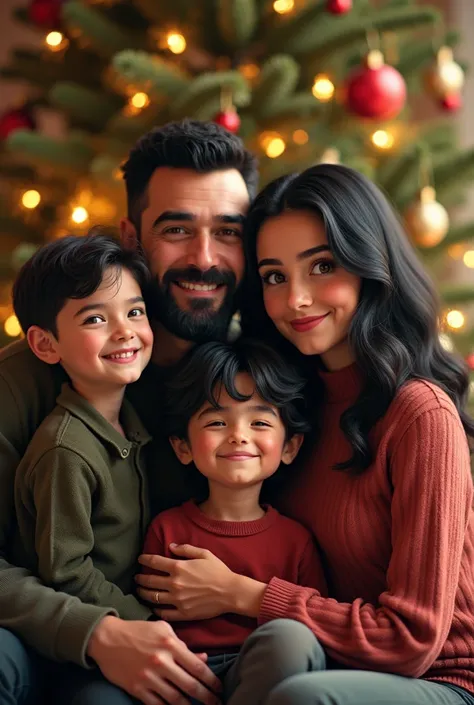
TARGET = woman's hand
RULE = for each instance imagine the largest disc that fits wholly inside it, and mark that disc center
(198, 588)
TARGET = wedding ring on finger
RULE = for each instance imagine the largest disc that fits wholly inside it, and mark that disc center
(157, 597)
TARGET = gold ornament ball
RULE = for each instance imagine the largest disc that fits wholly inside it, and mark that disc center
(426, 220)
(445, 77)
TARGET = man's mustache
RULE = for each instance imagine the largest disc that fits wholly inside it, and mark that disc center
(219, 277)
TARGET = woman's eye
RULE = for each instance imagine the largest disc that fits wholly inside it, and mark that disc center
(136, 312)
(324, 267)
(273, 278)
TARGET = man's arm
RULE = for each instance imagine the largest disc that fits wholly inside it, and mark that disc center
(62, 485)
(55, 624)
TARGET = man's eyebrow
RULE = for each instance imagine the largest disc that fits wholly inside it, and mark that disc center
(262, 408)
(174, 215)
(100, 307)
(187, 216)
(300, 256)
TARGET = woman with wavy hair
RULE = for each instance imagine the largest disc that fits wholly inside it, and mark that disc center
(387, 489)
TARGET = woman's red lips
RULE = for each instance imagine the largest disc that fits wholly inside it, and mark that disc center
(304, 324)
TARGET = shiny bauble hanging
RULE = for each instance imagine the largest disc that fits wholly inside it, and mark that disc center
(229, 119)
(375, 89)
(426, 220)
(444, 77)
(339, 7)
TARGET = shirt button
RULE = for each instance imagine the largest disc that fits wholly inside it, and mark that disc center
(125, 453)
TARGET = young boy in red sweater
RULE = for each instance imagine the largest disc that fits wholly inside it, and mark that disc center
(235, 415)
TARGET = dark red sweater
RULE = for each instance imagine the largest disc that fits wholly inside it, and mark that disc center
(271, 546)
(398, 540)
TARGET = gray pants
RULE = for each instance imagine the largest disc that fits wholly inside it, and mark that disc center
(281, 663)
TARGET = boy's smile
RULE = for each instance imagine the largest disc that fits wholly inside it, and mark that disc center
(240, 443)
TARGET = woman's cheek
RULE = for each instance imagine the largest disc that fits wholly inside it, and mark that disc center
(273, 304)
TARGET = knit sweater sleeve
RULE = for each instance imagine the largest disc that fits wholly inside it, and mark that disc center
(405, 630)
(62, 485)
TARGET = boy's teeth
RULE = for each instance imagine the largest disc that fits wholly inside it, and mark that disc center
(197, 287)
(116, 356)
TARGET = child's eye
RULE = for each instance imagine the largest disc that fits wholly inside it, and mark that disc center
(93, 319)
(261, 424)
(272, 278)
(137, 312)
(323, 267)
(214, 424)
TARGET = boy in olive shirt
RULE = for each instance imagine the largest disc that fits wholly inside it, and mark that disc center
(80, 489)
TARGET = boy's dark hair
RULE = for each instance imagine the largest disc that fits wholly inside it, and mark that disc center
(69, 268)
(189, 144)
(213, 367)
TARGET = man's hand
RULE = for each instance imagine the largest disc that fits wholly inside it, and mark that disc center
(148, 661)
(198, 588)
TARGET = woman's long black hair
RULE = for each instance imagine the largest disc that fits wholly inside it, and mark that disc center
(394, 332)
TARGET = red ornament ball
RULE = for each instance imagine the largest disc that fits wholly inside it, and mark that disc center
(470, 361)
(339, 7)
(376, 90)
(228, 119)
(19, 119)
(452, 102)
(45, 13)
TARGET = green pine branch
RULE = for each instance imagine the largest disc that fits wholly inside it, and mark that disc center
(150, 73)
(86, 106)
(72, 154)
(237, 21)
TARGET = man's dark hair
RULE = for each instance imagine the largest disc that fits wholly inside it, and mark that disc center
(210, 368)
(201, 146)
(69, 268)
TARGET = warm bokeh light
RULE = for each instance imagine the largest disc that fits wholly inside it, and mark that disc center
(456, 251)
(300, 137)
(468, 259)
(323, 88)
(54, 39)
(446, 342)
(283, 6)
(79, 215)
(275, 147)
(31, 199)
(12, 327)
(176, 42)
(455, 319)
(140, 100)
(383, 139)
(249, 71)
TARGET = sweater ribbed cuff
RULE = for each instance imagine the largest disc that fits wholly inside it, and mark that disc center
(277, 600)
(76, 630)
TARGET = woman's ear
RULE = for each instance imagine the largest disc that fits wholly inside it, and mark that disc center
(43, 344)
(291, 448)
(182, 449)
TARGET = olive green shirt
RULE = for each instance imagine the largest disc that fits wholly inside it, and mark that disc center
(54, 623)
(81, 504)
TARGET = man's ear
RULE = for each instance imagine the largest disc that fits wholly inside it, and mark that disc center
(291, 448)
(43, 344)
(182, 449)
(128, 234)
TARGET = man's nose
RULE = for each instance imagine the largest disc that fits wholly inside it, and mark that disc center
(203, 252)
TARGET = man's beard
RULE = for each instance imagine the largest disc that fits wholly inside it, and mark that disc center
(201, 323)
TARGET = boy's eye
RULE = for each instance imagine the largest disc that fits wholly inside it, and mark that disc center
(93, 319)
(273, 278)
(137, 312)
(261, 423)
(214, 424)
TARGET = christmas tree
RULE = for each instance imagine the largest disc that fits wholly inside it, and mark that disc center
(302, 81)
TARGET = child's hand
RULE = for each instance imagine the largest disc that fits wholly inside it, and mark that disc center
(198, 588)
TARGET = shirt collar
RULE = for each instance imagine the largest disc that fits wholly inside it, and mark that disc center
(134, 430)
